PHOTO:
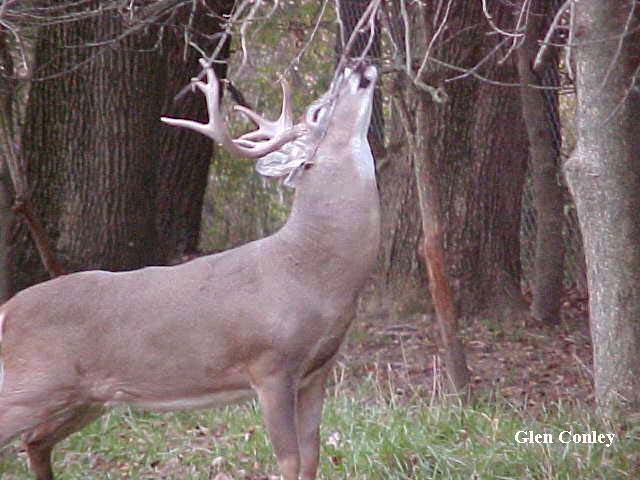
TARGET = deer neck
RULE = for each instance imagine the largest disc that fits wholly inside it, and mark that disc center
(335, 219)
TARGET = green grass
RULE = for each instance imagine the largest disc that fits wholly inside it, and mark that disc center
(366, 435)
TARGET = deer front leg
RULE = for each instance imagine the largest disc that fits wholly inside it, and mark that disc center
(277, 398)
(309, 409)
(40, 442)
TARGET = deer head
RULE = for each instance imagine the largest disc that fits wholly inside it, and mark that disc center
(282, 148)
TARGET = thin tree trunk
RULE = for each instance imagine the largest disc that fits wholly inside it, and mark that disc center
(439, 285)
(432, 245)
(604, 177)
(540, 111)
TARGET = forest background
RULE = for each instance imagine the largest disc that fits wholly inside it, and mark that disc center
(505, 142)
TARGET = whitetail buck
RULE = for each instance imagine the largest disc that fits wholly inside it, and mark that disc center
(266, 318)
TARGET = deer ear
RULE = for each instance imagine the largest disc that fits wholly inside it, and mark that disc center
(283, 162)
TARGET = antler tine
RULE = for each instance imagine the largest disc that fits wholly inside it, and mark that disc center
(216, 129)
(268, 128)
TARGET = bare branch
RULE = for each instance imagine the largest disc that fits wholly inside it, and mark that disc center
(567, 51)
(296, 60)
(239, 9)
(243, 35)
(435, 36)
(487, 15)
(371, 11)
(437, 93)
(540, 59)
(476, 67)
(340, 25)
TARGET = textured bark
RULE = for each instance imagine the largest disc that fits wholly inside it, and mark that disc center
(90, 150)
(477, 144)
(604, 177)
(184, 158)
(540, 110)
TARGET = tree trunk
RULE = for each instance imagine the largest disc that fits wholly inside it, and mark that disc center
(604, 177)
(185, 156)
(476, 142)
(90, 145)
(540, 110)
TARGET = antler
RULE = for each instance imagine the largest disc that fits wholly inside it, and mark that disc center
(267, 128)
(269, 137)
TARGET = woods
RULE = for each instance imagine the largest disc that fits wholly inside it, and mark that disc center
(505, 160)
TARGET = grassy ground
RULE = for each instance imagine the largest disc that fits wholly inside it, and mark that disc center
(367, 434)
(385, 418)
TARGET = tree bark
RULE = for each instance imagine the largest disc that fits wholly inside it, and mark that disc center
(540, 110)
(604, 177)
(402, 275)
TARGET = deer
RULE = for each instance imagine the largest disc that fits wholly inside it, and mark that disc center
(266, 319)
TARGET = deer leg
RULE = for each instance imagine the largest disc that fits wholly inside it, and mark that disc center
(23, 408)
(309, 414)
(17, 417)
(40, 442)
(277, 398)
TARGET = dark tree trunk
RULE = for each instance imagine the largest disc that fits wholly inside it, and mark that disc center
(476, 144)
(604, 177)
(91, 150)
(540, 110)
(183, 163)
